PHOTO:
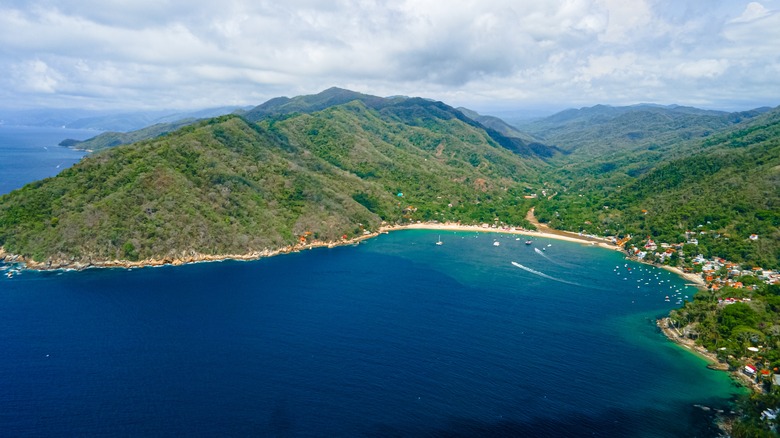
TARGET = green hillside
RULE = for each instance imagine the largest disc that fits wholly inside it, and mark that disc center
(334, 163)
(602, 129)
(107, 140)
(311, 103)
(230, 186)
(613, 145)
(403, 108)
(724, 188)
(413, 111)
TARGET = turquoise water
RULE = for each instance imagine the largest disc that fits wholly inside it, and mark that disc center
(393, 337)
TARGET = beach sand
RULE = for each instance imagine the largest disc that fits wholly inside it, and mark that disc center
(549, 233)
(695, 279)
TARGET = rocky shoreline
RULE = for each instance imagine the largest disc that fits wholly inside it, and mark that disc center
(664, 324)
(54, 265)
(544, 232)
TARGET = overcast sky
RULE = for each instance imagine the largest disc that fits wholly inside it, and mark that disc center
(484, 54)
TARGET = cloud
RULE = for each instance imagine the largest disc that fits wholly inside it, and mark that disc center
(705, 68)
(753, 11)
(36, 76)
(181, 54)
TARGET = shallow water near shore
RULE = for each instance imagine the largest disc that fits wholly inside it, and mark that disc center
(395, 336)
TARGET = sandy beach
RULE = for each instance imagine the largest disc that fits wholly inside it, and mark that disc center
(195, 258)
(543, 231)
(548, 234)
(695, 279)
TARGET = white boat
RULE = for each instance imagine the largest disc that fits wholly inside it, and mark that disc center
(439, 242)
(496, 243)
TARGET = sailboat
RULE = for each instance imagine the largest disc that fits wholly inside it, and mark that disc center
(439, 242)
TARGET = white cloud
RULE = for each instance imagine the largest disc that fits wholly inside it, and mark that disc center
(36, 76)
(564, 52)
(753, 11)
(704, 68)
(627, 20)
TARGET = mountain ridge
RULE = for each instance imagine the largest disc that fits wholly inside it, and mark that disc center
(231, 186)
(340, 162)
(279, 107)
(723, 186)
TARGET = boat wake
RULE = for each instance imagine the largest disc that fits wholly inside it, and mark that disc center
(541, 253)
(551, 260)
(542, 274)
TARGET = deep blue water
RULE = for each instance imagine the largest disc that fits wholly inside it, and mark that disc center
(393, 337)
(28, 154)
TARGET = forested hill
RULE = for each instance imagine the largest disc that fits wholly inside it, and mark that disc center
(232, 186)
(724, 188)
(410, 110)
(315, 102)
(602, 129)
(111, 139)
(334, 163)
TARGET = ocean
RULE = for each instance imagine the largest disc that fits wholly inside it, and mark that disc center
(396, 336)
(28, 154)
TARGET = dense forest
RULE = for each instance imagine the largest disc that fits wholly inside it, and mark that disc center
(723, 187)
(233, 186)
(742, 327)
(644, 171)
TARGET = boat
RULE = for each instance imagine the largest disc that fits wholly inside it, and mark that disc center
(528, 242)
(439, 242)
(496, 243)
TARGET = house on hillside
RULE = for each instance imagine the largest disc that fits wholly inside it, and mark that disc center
(666, 254)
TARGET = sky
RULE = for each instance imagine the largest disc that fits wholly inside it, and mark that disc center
(488, 55)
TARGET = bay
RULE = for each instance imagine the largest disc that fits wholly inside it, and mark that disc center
(393, 337)
(28, 154)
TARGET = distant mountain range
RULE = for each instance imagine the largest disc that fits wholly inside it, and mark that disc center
(339, 163)
(106, 120)
(604, 129)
